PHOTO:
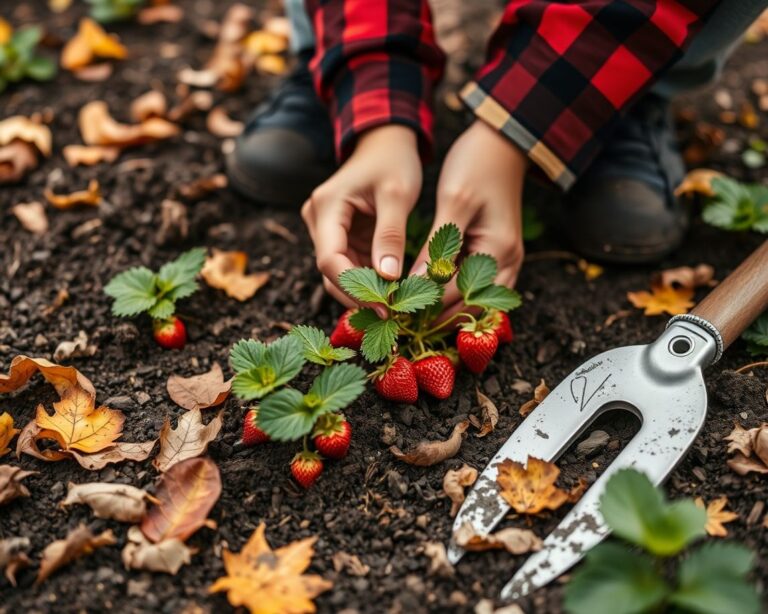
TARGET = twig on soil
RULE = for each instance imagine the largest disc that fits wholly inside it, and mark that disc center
(762, 363)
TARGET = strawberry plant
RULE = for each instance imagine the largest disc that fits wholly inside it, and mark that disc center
(405, 344)
(139, 290)
(615, 578)
(737, 206)
(756, 336)
(19, 59)
(263, 372)
(107, 11)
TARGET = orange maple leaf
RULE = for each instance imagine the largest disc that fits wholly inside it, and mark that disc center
(77, 424)
(662, 299)
(717, 517)
(531, 489)
(7, 432)
(265, 580)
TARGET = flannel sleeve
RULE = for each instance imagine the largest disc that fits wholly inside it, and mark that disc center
(559, 74)
(375, 63)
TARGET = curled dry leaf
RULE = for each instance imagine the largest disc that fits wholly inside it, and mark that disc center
(149, 104)
(429, 453)
(20, 128)
(686, 277)
(160, 13)
(279, 230)
(13, 556)
(189, 439)
(121, 451)
(698, 181)
(751, 449)
(717, 516)
(350, 563)
(61, 378)
(199, 391)
(120, 502)
(539, 394)
(193, 102)
(31, 216)
(226, 271)
(7, 432)
(490, 414)
(266, 580)
(77, 424)
(455, 481)
(90, 196)
(272, 64)
(220, 124)
(265, 42)
(166, 557)
(27, 444)
(531, 489)
(98, 127)
(439, 565)
(80, 542)
(186, 494)
(662, 299)
(16, 160)
(10, 483)
(90, 42)
(75, 348)
(512, 539)
(174, 222)
(95, 73)
(89, 155)
(200, 188)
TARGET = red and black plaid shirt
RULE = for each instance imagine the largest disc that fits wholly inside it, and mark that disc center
(557, 78)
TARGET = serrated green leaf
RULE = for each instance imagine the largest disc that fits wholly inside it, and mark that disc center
(476, 272)
(246, 354)
(259, 370)
(183, 290)
(712, 580)
(341, 354)
(365, 285)
(363, 318)
(614, 579)
(183, 270)
(41, 69)
(162, 310)
(284, 416)
(494, 297)
(335, 388)
(446, 243)
(26, 39)
(735, 206)
(637, 511)
(415, 292)
(317, 346)
(134, 291)
(757, 336)
(379, 339)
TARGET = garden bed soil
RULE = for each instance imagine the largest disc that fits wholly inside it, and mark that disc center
(369, 504)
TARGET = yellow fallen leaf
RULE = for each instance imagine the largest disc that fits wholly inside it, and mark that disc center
(265, 580)
(698, 181)
(662, 299)
(90, 196)
(531, 489)
(591, 270)
(226, 271)
(263, 42)
(6, 31)
(77, 424)
(61, 378)
(80, 542)
(272, 64)
(98, 127)
(716, 516)
(90, 42)
(7, 432)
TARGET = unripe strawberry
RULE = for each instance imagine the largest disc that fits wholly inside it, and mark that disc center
(435, 376)
(252, 434)
(397, 382)
(306, 467)
(346, 335)
(170, 334)
(476, 348)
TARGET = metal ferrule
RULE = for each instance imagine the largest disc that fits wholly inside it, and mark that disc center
(707, 326)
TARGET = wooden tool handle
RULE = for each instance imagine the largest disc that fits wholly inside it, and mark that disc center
(737, 301)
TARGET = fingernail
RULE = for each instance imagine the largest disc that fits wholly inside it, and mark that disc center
(390, 266)
(421, 269)
(381, 312)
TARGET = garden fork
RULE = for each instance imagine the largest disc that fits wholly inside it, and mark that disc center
(661, 383)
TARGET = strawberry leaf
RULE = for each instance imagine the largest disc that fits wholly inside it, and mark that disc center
(415, 292)
(446, 243)
(477, 272)
(756, 336)
(335, 388)
(737, 206)
(379, 339)
(317, 346)
(162, 310)
(363, 318)
(365, 285)
(284, 416)
(259, 371)
(134, 291)
(494, 297)
(176, 279)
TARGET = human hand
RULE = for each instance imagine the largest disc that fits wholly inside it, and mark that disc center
(358, 216)
(480, 190)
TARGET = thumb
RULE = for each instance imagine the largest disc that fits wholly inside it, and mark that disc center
(389, 235)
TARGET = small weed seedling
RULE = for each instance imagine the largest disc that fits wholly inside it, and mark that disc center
(737, 206)
(411, 347)
(139, 290)
(18, 59)
(262, 372)
(107, 11)
(615, 578)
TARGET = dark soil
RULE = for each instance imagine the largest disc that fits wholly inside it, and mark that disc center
(368, 504)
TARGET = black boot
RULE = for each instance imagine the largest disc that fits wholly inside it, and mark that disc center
(286, 149)
(623, 209)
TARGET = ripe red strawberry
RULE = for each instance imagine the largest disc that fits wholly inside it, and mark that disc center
(476, 348)
(333, 437)
(346, 335)
(503, 327)
(252, 434)
(435, 376)
(170, 334)
(306, 467)
(397, 382)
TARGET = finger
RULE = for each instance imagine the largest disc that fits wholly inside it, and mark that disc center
(338, 294)
(388, 249)
(331, 230)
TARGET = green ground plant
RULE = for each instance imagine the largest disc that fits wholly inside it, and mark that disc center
(19, 59)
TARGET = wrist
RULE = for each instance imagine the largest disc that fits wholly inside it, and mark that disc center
(387, 136)
(500, 145)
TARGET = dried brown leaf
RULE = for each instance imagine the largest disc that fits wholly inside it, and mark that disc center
(717, 516)
(161, 13)
(439, 565)
(98, 127)
(189, 439)
(539, 394)
(32, 217)
(194, 102)
(10, 483)
(281, 231)
(455, 481)
(200, 188)
(698, 181)
(120, 502)
(512, 539)
(27, 444)
(590, 270)
(490, 414)
(121, 451)
(264, 42)
(187, 492)
(74, 349)
(174, 222)
(90, 197)
(79, 542)
(350, 563)
(149, 104)
(429, 453)
(199, 391)
(13, 556)
(90, 42)
(531, 489)
(20, 128)
(61, 378)
(220, 124)
(94, 73)
(741, 464)
(89, 155)
(272, 64)
(226, 271)
(7, 432)
(16, 160)
(686, 277)
(166, 557)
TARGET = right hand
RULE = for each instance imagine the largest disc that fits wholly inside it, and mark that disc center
(358, 216)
